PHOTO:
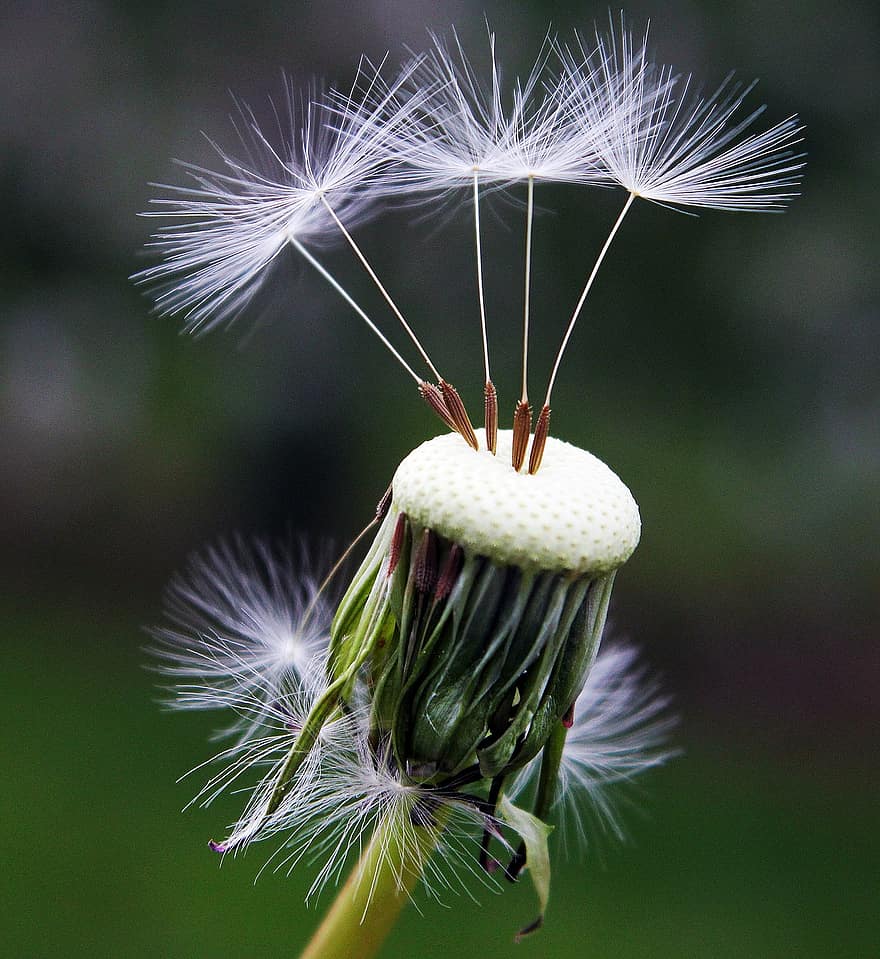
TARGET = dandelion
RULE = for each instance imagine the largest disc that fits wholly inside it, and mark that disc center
(454, 700)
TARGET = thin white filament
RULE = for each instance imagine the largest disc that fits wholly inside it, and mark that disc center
(310, 609)
(527, 293)
(580, 304)
(348, 299)
(372, 273)
(480, 274)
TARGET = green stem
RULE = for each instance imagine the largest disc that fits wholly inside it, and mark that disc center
(369, 903)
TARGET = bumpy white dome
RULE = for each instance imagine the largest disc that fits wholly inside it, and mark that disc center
(574, 514)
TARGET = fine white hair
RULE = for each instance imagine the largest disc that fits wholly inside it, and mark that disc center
(246, 626)
(222, 232)
(662, 141)
(621, 728)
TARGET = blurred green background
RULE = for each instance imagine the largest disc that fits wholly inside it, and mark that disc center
(727, 369)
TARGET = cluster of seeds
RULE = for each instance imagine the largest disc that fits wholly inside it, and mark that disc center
(600, 114)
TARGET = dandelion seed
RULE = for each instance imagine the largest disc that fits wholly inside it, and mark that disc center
(662, 143)
(292, 189)
(465, 137)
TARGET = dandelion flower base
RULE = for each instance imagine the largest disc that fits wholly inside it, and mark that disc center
(575, 515)
(479, 609)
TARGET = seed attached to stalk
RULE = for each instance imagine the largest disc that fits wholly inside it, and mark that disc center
(491, 416)
(458, 413)
(396, 543)
(449, 573)
(383, 504)
(434, 398)
(542, 431)
(425, 563)
(522, 426)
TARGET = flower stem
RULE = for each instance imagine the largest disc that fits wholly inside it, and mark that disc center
(369, 903)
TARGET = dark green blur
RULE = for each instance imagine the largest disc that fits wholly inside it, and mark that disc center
(726, 367)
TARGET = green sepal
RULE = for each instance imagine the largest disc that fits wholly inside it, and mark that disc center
(534, 832)
(571, 669)
(439, 699)
(354, 622)
(557, 635)
(479, 672)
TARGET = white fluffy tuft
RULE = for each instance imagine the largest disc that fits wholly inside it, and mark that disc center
(662, 142)
(355, 788)
(468, 129)
(224, 230)
(247, 627)
(622, 725)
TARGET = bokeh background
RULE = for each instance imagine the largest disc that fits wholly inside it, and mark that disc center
(727, 368)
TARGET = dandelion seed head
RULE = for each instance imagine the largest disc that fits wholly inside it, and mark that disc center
(597, 530)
